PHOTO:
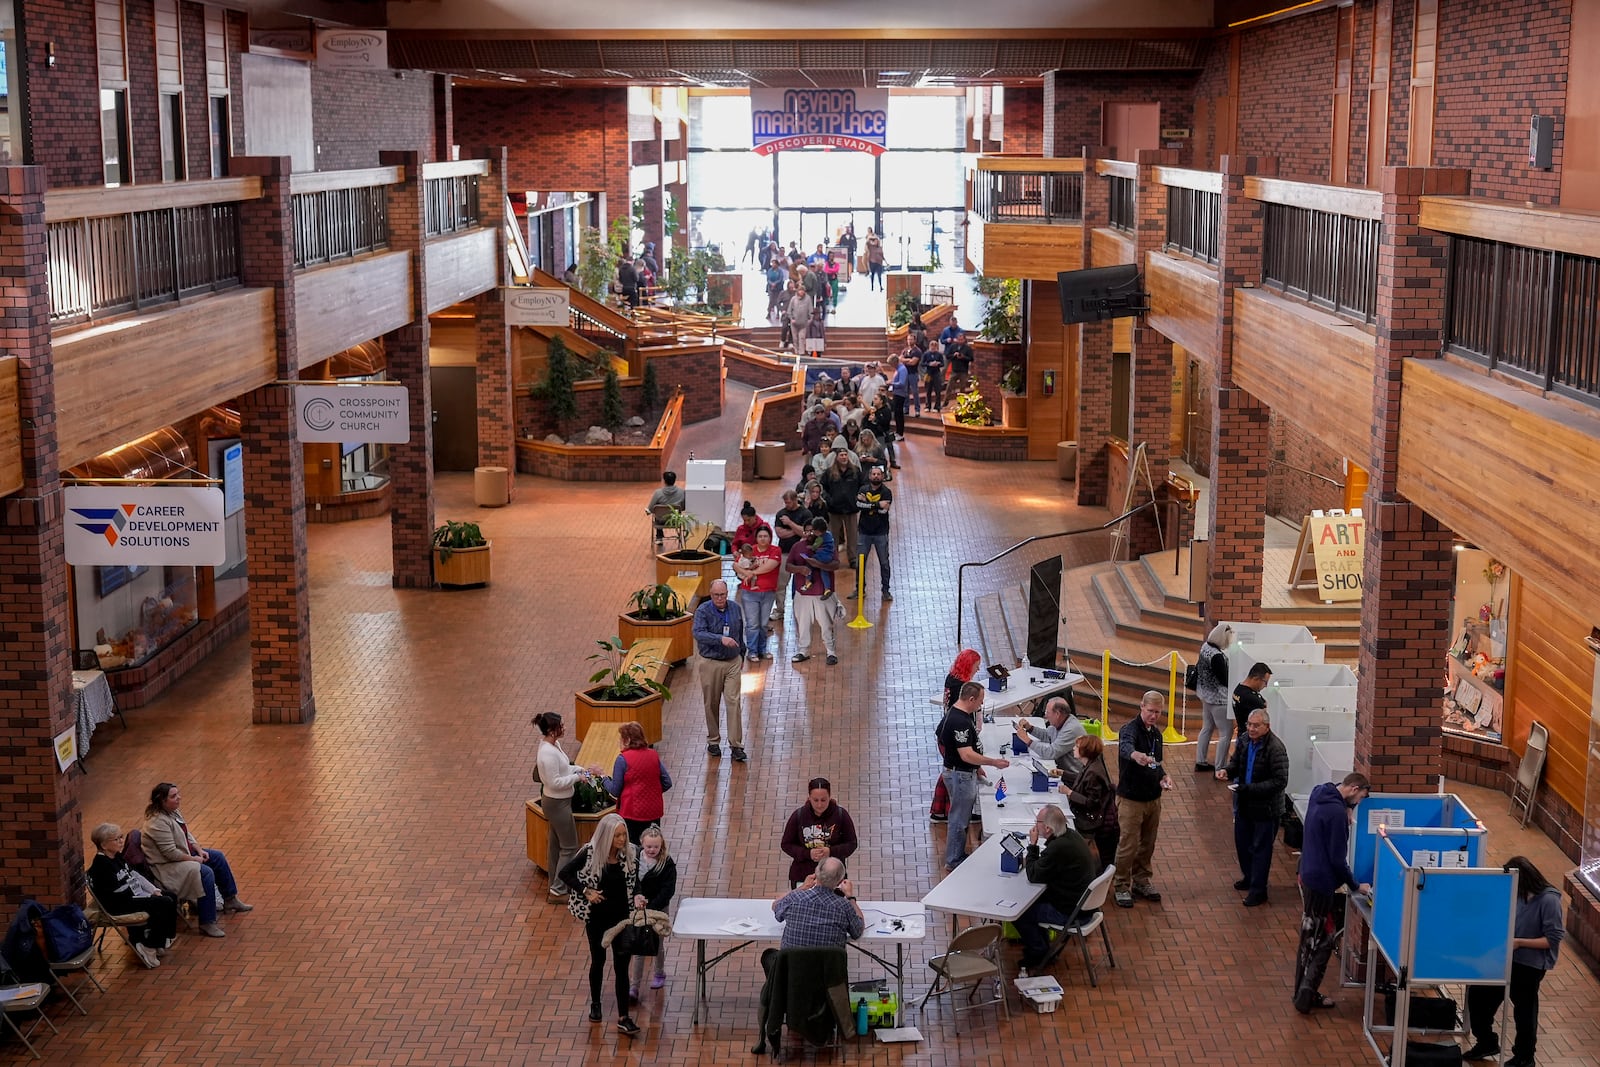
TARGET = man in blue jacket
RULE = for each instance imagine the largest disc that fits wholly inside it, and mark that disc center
(1323, 869)
(719, 638)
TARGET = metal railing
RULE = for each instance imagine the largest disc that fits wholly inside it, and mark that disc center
(1013, 196)
(1124, 209)
(334, 224)
(450, 204)
(1328, 259)
(1529, 311)
(1192, 220)
(109, 264)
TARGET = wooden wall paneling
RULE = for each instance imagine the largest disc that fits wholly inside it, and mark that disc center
(1344, 49)
(1183, 302)
(1108, 247)
(1424, 67)
(1378, 90)
(111, 43)
(1330, 395)
(460, 266)
(96, 201)
(346, 303)
(10, 428)
(124, 379)
(1580, 124)
(1024, 250)
(1052, 347)
(169, 62)
(1508, 470)
(1549, 676)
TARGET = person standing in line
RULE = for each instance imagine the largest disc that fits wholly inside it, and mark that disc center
(658, 882)
(1324, 869)
(963, 761)
(874, 261)
(777, 278)
(750, 246)
(557, 776)
(790, 524)
(605, 873)
(758, 592)
(848, 241)
(1535, 943)
(1140, 782)
(841, 485)
(817, 829)
(933, 376)
(638, 780)
(1259, 772)
(900, 386)
(718, 637)
(1093, 800)
(1211, 683)
(911, 360)
(801, 308)
(872, 527)
(812, 602)
(961, 672)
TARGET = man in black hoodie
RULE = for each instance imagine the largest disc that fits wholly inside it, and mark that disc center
(1323, 869)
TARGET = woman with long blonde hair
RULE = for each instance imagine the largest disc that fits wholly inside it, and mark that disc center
(604, 877)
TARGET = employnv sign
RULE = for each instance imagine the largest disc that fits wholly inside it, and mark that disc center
(127, 525)
(354, 414)
(537, 307)
(353, 49)
(853, 119)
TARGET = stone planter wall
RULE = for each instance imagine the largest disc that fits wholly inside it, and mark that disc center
(988, 443)
(605, 463)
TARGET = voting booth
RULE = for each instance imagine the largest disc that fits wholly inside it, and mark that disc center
(1302, 717)
(1331, 761)
(1242, 657)
(705, 488)
(1285, 675)
(1271, 633)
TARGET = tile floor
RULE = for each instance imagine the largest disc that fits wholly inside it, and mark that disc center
(398, 921)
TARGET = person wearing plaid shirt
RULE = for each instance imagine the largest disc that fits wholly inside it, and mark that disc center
(823, 912)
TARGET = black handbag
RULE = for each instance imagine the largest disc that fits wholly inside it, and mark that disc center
(637, 938)
(1191, 677)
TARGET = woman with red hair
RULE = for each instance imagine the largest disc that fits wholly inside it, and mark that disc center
(961, 672)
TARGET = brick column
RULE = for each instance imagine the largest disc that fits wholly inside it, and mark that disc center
(275, 476)
(444, 118)
(41, 835)
(648, 153)
(1241, 439)
(406, 353)
(1150, 391)
(1408, 573)
(1094, 349)
(497, 426)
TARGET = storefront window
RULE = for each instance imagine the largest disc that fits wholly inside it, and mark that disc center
(1474, 696)
(128, 614)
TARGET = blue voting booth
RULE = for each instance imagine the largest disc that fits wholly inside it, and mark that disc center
(1430, 821)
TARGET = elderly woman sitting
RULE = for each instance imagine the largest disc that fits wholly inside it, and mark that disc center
(182, 867)
(121, 890)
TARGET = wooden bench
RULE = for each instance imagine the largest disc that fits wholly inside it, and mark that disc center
(600, 748)
(651, 654)
(684, 587)
(704, 571)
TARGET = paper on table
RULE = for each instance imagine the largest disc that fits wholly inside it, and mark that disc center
(898, 1033)
(911, 926)
(740, 926)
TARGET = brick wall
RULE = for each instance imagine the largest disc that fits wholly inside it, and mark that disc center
(1400, 83)
(992, 444)
(533, 414)
(1285, 85)
(1024, 120)
(558, 138)
(1073, 103)
(357, 114)
(759, 374)
(1211, 84)
(196, 95)
(1360, 78)
(1499, 64)
(64, 103)
(698, 372)
(1292, 494)
(144, 121)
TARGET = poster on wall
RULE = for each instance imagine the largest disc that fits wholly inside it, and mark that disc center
(353, 49)
(233, 479)
(128, 526)
(66, 745)
(1338, 542)
(361, 414)
(537, 307)
(856, 120)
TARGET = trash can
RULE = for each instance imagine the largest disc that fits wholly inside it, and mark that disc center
(1067, 460)
(490, 487)
(770, 456)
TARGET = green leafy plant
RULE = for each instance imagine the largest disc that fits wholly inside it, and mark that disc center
(598, 255)
(669, 216)
(680, 520)
(619, 684)
(1002, 307)
(905, 308)
(971, 409)
(557, 388)
(650, 388)
(589, 796)
(1013, 380)
(656, 603)
(452, 536)
(611, 413)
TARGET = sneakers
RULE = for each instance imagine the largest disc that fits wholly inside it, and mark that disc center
(739, 754)
(714, 750)
(799, 657)
(887, 597)
(1200, 768)
(1243, 883)
(1124, 899)
(1255, 900)
(212, 930)
(235, 904)
(832, 660)
(628, 1026)
(754, 657)
(146, 956)
(594, 1011)
(936, 817)
(1483, 1050)
(658, 981)
(1147, 892)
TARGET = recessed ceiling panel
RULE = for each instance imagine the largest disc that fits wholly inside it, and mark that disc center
(621, 55)
(748, 55)
(501, 54)
(566, 55)
(1095, 55)
(838, 55)
(703, 55)
(1164, 55)
(432, 53)
(1037, 56)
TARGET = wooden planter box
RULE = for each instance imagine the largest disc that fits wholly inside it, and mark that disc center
(679, 633)
(465, 567)
(706, 566)
(539, 832)
(589, 710)
(1014, 411)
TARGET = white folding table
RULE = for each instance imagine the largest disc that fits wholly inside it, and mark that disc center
(1027, 685)
(750, 921)
(1022, 803)
(977, 888)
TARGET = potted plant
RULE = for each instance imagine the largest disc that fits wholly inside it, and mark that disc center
(971, 409)
(691, 559)
(460, 555)
(622, 690)
(656, 611)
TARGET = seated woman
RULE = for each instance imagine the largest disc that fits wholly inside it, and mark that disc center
(121, 890)
(183, 868)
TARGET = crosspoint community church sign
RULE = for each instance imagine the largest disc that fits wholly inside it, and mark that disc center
(852, 119)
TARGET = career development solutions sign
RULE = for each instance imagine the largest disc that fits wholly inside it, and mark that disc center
(853, 119)
(125, 525)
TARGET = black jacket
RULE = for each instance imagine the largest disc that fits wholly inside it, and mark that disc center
(658, 885)
(1262, 799)
(1063, 867)
(1134, 780)
(840, 490)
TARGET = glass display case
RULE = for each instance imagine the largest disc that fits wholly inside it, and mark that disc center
(128, 614)
(1475, 666)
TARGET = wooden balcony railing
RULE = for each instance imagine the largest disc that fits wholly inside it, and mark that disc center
(341, 214)
(1523, 290)
(117, 250)
(1025, 189)
(450, 196)
(1321, 244)
(1194, 206)
(1124, 205)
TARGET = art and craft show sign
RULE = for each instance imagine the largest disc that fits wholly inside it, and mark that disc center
(1339, 543)
(127, 525)
(354, 414)
(537, 307)
(852, 119)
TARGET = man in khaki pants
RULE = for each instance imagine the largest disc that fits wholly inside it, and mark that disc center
(1140, 784)
(719, 638)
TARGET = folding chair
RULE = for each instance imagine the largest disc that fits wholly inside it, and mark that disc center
(1082, 923)
(101, 920)
(19, 997)
(970, 958)
(658, 528)
(133, 852)
(59, 969)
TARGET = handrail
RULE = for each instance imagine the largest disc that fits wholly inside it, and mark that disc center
(758, 406)
(1116, 168)
(98, 201)
(961, 571)
(1031, 164)
(1202, 181)
(672, 414)
(517, 258)
(1352, 201)
(1308, 473)
(454, 168)
(1529, 225)
(613, 320)
(324, 181)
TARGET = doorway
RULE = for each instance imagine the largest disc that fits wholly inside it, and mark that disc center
(1130, 127)
(455, 418)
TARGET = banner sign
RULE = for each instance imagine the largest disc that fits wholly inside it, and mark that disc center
(353, 49)
(853, 119)
(129, 525)
(233, 479)
(537, 307)
(1339, 542)
(363, 414)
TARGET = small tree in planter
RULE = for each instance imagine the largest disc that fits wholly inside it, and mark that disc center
(619, 694)
(705, 564)
(557, 388)
(971, 409)
(460, 555)
(611, 413)
(650, 388)
(904, 310)
(1001, 321)
(656, 611)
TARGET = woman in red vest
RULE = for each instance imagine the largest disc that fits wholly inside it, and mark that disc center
(637, 781)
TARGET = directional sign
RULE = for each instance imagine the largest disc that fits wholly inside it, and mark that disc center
(126, 525)
(354, 414)
(537, 307)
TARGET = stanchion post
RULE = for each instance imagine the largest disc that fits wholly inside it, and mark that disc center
(1105, 732)
(1171, 735)
(860, 621)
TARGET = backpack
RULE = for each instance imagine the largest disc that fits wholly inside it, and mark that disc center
(67, 932)
(22, 951)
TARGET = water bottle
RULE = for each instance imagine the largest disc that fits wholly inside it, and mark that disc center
(861, 1017)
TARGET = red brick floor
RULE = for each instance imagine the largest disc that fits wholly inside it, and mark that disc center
(398, 921)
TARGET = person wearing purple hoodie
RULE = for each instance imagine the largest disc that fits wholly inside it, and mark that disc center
(819, 829)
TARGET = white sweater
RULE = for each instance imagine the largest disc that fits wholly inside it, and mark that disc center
(557, 775)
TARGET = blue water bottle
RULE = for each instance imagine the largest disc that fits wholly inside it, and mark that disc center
(861, 1017)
